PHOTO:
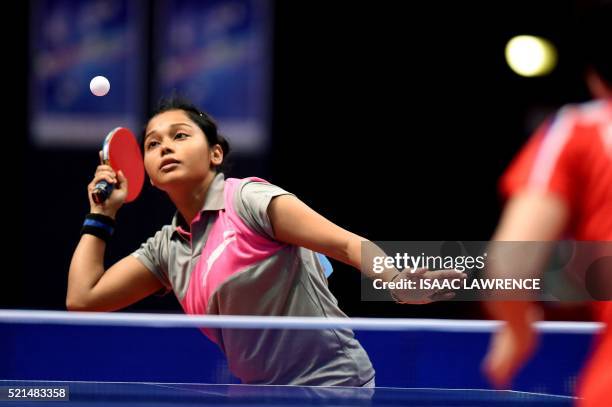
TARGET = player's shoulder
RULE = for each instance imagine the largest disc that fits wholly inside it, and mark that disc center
(165, 230)
(164, 234)
(587, 113)
(577, 123)
(250, 185)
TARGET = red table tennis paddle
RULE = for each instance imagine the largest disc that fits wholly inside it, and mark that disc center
(121, 151)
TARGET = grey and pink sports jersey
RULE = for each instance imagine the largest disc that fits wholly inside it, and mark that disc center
(231, 264)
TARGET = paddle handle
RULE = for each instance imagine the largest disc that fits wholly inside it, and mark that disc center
(101, 192)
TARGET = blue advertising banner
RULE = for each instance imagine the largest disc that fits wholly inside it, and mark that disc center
(71, 43)
(218, 54)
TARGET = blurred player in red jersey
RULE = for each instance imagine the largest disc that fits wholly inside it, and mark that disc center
(560, 185)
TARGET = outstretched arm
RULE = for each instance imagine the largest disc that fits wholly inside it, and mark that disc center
(297, 224)
(529, 216)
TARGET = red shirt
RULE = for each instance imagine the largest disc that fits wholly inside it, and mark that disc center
(571, 156)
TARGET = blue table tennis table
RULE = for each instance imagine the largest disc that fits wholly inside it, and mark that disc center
(123, 394)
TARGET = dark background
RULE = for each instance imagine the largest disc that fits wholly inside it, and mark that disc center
(392, 119)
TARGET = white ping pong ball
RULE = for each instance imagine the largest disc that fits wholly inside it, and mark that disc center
(99, 86)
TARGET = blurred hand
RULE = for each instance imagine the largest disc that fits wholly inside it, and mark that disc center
(511, 346)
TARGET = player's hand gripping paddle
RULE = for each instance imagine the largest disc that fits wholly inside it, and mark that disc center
(121, 151)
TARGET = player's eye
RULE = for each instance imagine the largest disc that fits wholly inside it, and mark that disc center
(180, 136)
(152, 144)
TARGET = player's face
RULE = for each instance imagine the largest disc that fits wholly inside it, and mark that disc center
(176, 150)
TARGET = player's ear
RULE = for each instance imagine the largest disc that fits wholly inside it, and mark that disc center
(216, 155)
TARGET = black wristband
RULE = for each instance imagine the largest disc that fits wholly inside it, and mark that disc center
(98, 225)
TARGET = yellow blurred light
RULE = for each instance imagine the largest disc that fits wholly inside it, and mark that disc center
(531, 56)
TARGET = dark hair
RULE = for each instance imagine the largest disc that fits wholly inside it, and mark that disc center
(594, 35)
(202, 119)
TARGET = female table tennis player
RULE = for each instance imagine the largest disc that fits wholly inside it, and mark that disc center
(235, 246)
